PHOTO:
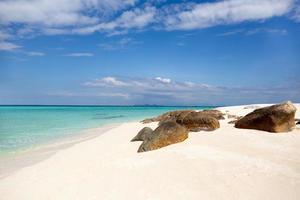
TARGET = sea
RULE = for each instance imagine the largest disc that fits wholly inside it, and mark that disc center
(22, 127)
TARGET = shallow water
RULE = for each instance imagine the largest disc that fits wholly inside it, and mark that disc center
(24, 126)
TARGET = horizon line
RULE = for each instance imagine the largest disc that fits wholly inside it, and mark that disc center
(95, 105)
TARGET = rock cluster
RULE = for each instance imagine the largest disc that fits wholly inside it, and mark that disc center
(174, 127)
(180, 114)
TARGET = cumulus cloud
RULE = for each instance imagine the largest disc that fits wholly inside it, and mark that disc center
(157, 83)
(106, 82)
(136, 18)
(113, 17)
(133, 90)
(163, 80)
(4, 35)
(157, 90)
(58, 12)
(296, 12)
(204, 15)
(29, 18)
(8, 46)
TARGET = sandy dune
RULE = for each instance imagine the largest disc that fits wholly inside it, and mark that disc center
(228, 163)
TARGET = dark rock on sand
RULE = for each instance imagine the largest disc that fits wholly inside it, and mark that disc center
(213, 113)
(143, 134)
(197, 121)
(166, 134)
(276, 118)
(168, 116)
(180, 114)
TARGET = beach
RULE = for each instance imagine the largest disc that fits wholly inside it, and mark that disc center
(227, 163)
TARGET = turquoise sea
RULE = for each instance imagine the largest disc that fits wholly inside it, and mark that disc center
(24, 126)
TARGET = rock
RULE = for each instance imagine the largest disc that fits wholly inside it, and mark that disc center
(172, 115)
(143, 134)
(197, 121)
(276, 118)
(213, 113)
(175, 116)
(166, 134)
(179, 114)
(149, 120)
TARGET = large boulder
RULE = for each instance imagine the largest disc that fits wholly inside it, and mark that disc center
(197, 121)
(213, 113)
(166, 134)
(180, 114)
(168, 116)
(276, 118)
(143, 134)
(175, 115)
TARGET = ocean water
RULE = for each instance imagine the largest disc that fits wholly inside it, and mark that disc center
(24, 126)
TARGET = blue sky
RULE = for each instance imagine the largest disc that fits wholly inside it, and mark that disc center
(149, 52)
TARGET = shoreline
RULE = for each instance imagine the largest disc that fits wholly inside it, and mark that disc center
(227, 163)
(13, 161)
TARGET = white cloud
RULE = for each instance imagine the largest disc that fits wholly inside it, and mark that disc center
(106, 82)
(136, 18)
(189, 83)
(250, 32)
(163, 91)
(28, 18)
(8, 46)
(80, 54)
(145, 84)
(233, 32)
(113, 81)
(4, 35)
(266, 30)
(204, 15)
(163, 80)
(130, 91)
(58, 12)
(296, 12)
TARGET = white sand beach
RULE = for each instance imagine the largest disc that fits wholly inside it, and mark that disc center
(227, 163)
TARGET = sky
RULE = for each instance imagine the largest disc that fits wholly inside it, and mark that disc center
(155, 52)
